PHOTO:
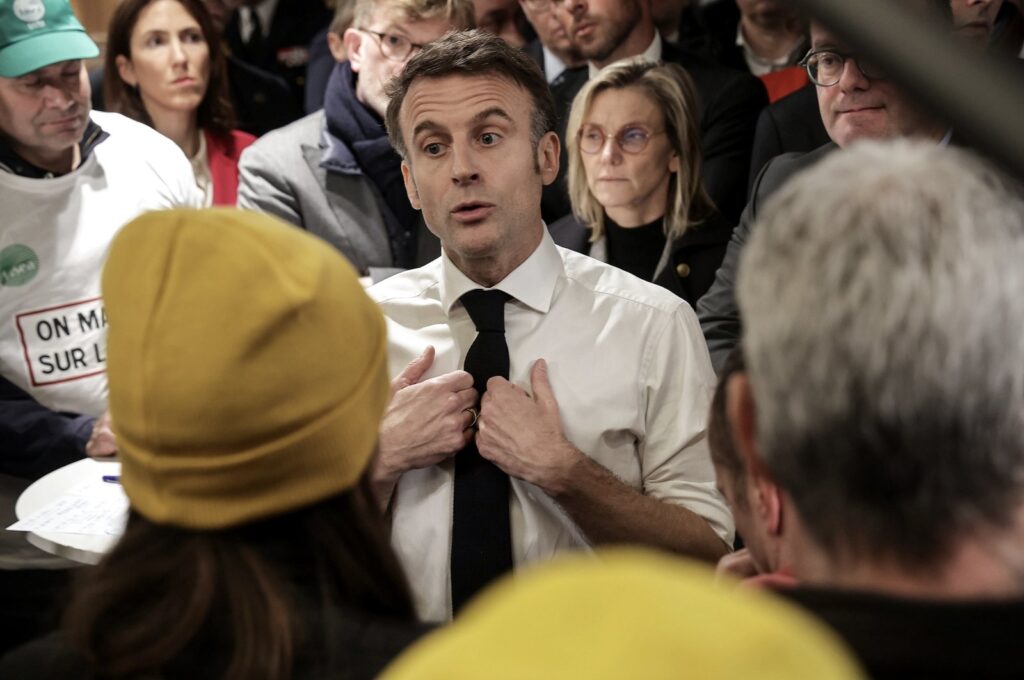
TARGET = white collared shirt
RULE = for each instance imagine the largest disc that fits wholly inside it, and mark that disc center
(628, 366)
(760, 66)
(652, 54)
(553, 66)
(265, 10)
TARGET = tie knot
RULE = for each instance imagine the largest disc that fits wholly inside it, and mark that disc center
(486, 308)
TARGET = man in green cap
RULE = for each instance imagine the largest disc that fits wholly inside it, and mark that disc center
(69, 179)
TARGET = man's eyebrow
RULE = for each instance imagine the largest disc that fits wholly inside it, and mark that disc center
(493, 111)
(426, 126)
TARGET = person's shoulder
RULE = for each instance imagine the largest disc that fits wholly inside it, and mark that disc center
(570, 233)
(407, 285)
(779, 169)
(305, 130)
(125, 131)
(599, 279)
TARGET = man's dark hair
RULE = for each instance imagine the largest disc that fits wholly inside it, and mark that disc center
(472, 53)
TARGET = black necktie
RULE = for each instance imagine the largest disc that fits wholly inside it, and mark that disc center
(481, 535)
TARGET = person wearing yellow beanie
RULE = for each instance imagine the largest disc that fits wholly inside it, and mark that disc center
(247, 377)
(631, 614)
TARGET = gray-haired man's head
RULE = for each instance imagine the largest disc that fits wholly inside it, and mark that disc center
(883, 311)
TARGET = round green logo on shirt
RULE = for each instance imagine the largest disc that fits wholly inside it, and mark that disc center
(18, 265)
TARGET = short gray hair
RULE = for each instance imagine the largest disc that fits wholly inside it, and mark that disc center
(882, 293)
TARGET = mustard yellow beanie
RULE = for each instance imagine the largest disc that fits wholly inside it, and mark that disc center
(246, 366)
(630, 614)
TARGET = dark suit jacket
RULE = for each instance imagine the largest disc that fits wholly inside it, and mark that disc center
(730, 104)
(718, 312)
(896, 637)
(534, 50)
(790, 125)
(285, 50)
(688, 264)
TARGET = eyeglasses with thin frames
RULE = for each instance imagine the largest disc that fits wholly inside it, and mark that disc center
(631, 139)
(825, 66)
(393, 46)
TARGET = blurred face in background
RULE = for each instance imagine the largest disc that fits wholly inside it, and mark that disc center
(627, 156)
(169, 61)
(377, 58)
(501, 18)
(542, 16)
(858, 107)
(974, 19)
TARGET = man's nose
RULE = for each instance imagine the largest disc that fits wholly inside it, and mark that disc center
(852, 77)
(464, 167)
(57, 97)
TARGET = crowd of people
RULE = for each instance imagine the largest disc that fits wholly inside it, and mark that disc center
(599, 293)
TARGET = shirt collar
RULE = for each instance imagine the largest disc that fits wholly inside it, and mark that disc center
(652, 54)
(16, 165)
(553, 66)
(770, 64)
(532, 283)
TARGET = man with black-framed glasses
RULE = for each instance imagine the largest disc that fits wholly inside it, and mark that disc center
(856, 102)
(334, 172)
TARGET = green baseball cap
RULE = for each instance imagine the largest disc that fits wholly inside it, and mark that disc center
(37, 33)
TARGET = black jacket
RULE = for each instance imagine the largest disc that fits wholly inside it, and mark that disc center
(284, 51)
(790, 125)
(359, 647)
(718, 312)
(917, 638)
(688, 264)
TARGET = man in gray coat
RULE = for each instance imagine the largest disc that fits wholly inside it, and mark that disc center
(334, 172)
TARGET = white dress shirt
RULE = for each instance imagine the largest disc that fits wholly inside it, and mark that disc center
(628, 366)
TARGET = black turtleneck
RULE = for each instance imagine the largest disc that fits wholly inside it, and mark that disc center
(635, 249)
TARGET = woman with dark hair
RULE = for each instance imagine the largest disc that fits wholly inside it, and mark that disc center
(254, 547)
(635, 179)
(163, 69)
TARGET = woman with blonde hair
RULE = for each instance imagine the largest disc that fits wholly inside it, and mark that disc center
(635, 179)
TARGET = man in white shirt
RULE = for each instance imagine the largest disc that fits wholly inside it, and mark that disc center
(68, 180)
(600, 426)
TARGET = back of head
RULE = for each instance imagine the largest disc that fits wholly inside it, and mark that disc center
(246, 367)
(880, 293)
(630, 614)
(247, 379)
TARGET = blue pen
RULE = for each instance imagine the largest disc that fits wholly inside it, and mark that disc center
(113, 479)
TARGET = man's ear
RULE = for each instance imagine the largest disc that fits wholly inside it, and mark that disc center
(126, 70)
(336, 44)
(547, 157)
(410, 186)
(354, 41)
(764, 494)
